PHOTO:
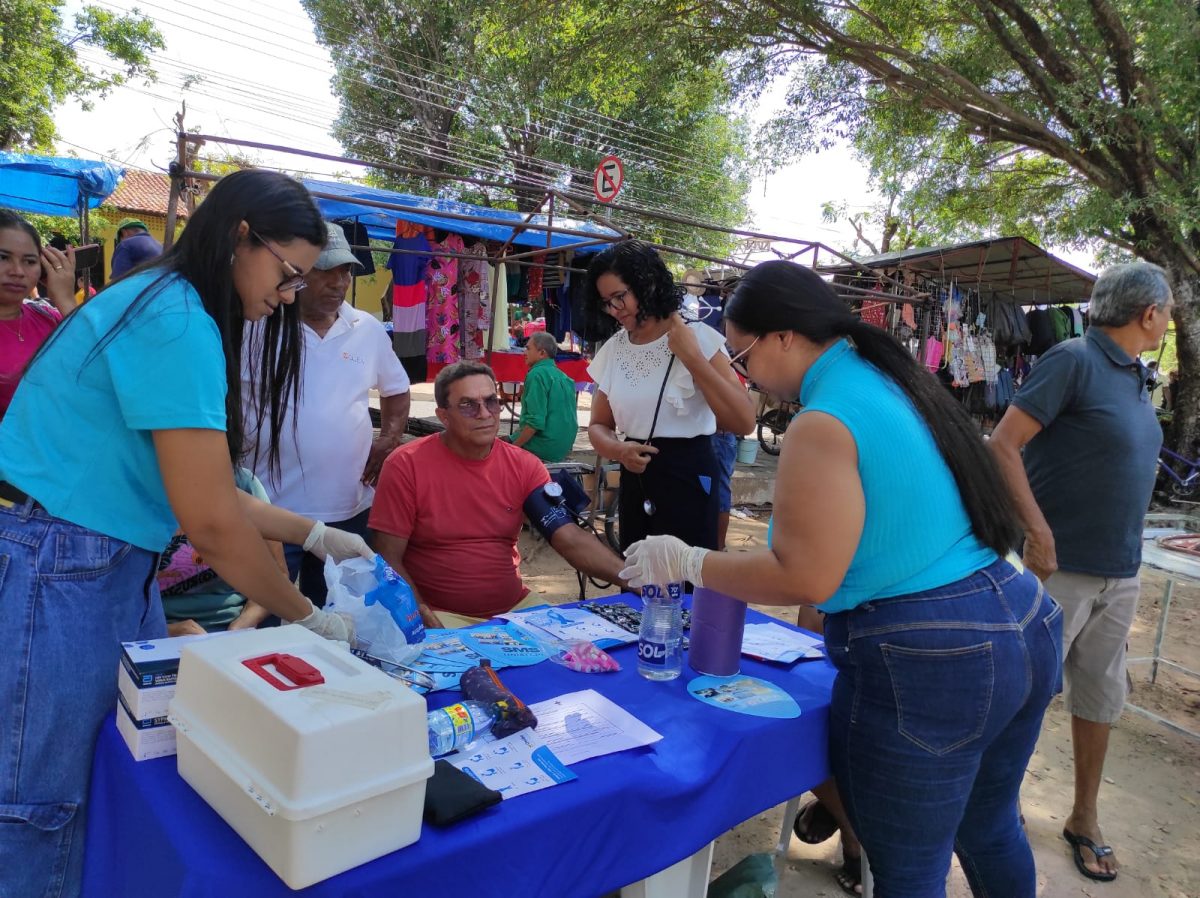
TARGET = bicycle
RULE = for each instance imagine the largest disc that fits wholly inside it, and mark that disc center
(1184, 485)
(772, 420)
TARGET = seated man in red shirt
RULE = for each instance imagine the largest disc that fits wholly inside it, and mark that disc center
(448, 509)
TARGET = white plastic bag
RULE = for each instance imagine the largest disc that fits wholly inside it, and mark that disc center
(387, 622)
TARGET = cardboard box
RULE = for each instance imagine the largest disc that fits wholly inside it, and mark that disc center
(146, 738)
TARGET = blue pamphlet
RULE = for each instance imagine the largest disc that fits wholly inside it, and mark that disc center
(745, 695)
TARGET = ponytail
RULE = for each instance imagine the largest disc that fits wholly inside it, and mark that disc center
(988, 502)
(784, 296)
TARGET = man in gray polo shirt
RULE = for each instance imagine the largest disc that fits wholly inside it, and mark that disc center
(1090, 438)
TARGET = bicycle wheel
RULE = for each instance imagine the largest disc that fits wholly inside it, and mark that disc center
(1184, 489)
(771, 427)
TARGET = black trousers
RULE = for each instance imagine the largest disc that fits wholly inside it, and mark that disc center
(682, 481)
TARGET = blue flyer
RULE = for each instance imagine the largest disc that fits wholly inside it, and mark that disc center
(745, 695)
(503, 645)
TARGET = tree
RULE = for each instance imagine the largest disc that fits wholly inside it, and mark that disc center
(453, 88)
(1071, 120)
(40, 65)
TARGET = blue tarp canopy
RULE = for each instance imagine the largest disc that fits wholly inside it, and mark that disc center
(53, 185)
(381, 223)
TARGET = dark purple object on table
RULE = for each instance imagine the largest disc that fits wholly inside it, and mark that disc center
(716, 637)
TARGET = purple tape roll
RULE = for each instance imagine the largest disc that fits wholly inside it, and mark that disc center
(716, 633)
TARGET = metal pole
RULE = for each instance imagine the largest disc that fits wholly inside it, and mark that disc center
(1168, 593)
(178, 170)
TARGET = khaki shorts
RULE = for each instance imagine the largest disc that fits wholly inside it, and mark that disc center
(1097, 615)
(453, 621)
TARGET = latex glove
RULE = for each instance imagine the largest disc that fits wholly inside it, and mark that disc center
(329, 624)
(659, 560)
(323, 541)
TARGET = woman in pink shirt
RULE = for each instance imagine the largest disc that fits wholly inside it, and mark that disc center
(25, 326)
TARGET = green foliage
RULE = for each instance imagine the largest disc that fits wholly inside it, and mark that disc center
(526, 106)
(40, 67)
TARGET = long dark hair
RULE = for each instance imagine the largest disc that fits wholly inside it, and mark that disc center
(276, 208)
(10, 221)
(783, 296)
(644, 272)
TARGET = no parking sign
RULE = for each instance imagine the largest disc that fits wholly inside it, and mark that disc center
(607, 180)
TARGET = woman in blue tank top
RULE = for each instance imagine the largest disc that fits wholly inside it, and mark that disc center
(891, 519)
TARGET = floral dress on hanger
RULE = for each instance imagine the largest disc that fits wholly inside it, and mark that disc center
(442, 322)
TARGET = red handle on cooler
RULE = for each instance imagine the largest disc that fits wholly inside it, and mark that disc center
(299, 671)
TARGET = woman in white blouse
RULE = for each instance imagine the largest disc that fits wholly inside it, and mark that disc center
(664, 386)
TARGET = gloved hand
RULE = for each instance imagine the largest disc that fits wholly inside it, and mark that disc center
(329, 624)
(663, 559)
(341, 544)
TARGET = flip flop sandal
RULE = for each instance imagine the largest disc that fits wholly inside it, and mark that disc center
(1078, 842)
(814, 824)
(849, 877)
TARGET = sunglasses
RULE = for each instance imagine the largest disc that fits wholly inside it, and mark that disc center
(473, 408)
(294, 280)
(739, 362)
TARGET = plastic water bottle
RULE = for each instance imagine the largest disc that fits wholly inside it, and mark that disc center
(660, 639)
(456, 726)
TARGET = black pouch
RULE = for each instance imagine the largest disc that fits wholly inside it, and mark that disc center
(451, 795)
(481, 684)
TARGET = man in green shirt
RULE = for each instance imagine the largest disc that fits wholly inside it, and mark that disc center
(548, 423)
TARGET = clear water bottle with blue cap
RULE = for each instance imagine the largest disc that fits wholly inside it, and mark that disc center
(457, 726)
(660, 639)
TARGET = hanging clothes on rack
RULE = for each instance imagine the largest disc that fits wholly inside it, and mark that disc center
(500, 338)
(475, 298)
(441, 316)
(409, 294)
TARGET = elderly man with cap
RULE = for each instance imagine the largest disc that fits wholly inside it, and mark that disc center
(329, 458)
(134, 246)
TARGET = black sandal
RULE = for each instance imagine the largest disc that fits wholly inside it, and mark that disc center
(1099, 851)
(849, 877)
(814, 824)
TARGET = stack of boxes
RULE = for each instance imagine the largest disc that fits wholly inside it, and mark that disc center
(146, 683)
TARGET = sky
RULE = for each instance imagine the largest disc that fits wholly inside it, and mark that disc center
(260, 75)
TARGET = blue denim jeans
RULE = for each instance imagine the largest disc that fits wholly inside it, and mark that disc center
(936, 710)
(69, 597)
(725, 446)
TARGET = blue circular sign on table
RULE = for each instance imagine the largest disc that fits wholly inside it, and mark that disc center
(745, 695)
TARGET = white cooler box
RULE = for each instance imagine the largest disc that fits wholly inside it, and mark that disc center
(317, 759)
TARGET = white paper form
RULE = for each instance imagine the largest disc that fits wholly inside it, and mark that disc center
(514, 765)
(774, 642)
(571, 625)
(582, 725)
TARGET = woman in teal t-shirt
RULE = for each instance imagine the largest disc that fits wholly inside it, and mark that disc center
(126, 427)
(891, 518)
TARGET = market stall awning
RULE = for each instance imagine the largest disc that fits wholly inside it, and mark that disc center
(54, 185)
(1010, 267)
(341, 201)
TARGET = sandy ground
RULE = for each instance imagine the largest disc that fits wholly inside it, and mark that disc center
(1149, 804)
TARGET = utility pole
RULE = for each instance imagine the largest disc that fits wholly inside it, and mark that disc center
(177, 168)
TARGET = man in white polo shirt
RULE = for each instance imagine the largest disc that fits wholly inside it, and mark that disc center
(328, 462)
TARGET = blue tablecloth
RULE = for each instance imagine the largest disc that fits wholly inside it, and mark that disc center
(627, 816)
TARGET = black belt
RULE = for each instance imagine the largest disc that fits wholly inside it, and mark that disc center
(10, 495)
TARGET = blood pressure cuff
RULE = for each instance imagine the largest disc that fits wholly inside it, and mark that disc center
(545, 513)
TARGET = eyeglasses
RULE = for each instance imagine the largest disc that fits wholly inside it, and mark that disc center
(739, 362)
(473, 408)
(295, 278)
(616, 302)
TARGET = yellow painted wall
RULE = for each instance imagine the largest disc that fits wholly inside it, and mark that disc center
(106, 233)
